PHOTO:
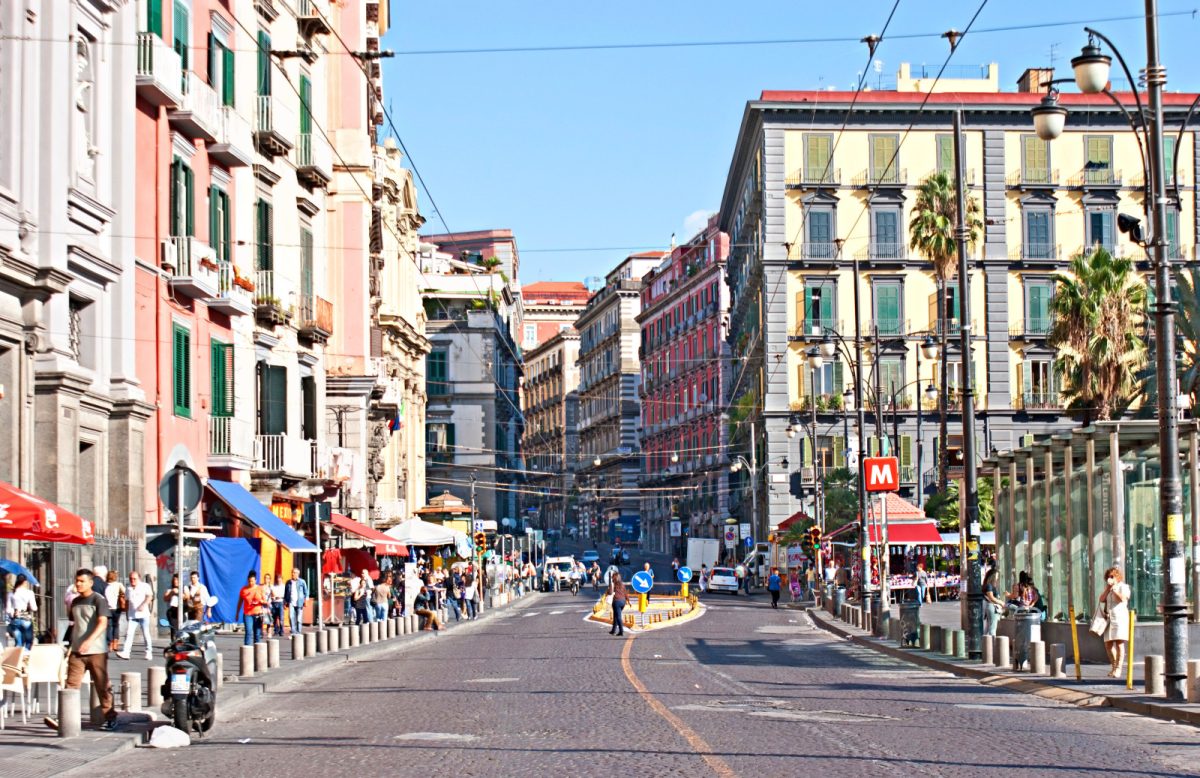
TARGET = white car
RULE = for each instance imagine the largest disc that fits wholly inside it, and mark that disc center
(723, 579)
(560, 567)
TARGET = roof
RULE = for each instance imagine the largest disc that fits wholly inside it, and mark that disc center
(445, 503)
(554, 291)
(648, 255)
(960, 98)
(909, 533)
(383, 544)
(900, 509)
(253, 511)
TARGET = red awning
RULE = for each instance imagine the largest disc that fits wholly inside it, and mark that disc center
(351, 561)
(387, 546)
(792, 520)
(25, 517)
(909, 533)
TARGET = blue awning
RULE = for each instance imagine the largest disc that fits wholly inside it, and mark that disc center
(253, 511)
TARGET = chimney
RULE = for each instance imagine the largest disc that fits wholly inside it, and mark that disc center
(1035, 80)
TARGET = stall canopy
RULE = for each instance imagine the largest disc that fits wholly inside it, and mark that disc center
(384, 545)
(791, 521)
(253, 511)
(909, 533)
(25, 517)
(415, 532)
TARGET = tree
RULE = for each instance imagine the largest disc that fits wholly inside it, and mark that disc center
(931, 233)
(943, 506)
(841, 499)
(1097, 310)
(1186, 297)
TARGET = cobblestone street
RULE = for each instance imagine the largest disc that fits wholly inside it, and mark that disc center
(743, 690)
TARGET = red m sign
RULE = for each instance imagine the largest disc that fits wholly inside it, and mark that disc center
(882, 474)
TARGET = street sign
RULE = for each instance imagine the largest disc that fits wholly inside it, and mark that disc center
(684, 574)
(745, 530)
(641, 582)
(731, 536)
(748, 541)
(676, 528)
(169, 489)
(883, 474)
(477, 525)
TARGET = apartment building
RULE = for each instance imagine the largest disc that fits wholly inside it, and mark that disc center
(685, 369)
(799, 214)
(550, 308)
(609, 376)
(550, 401)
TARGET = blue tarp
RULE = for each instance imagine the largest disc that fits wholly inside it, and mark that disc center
(224, 565)
(253, 511)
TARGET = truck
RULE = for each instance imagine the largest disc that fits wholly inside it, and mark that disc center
(758, 562)
(627, 530)
(702, 551)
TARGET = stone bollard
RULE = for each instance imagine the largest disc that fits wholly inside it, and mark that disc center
(260, 657)
(1003, 657)
(297, 647)
(246, 655)
(335, 640)
(272, 653)
(389, 629)
(988, 648)
(1058, 661)
(322, 641)
(1037, 657)
(344, 636)
(414, 623)
(220, 670)
(69, 722)
(397, 626)
(354, 636)
(364, 633)
(156, 676)
(1154, 675)
(376, 627)
(310, 643)
(1192, 693)
(936, 638)
(927, 637)
(131, 691)
(960, 644)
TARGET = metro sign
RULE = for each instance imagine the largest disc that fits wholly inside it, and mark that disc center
(882, 474)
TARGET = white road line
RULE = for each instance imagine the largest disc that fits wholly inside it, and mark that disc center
(557, 613)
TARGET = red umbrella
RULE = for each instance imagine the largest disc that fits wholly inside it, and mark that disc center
(25, 517)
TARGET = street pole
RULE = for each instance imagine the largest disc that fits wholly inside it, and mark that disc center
(320, 587)
(864, 548)
(1175, 608)
(179, 511)
(754, 533)
(920, 444)
(970, 490)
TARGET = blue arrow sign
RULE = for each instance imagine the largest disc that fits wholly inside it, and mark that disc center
(641, 582)
(684, 574)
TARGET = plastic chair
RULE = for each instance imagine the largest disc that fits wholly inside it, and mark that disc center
(47, 665)
(13, 666)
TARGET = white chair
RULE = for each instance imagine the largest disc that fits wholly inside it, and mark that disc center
(13, 682)
(47, 665)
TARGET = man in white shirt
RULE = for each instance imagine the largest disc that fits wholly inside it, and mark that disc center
(139, 599)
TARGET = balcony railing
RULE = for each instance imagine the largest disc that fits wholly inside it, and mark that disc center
(274, 126)
(816, 328)
(872, 177)
(310, 20)
(1036, 251)
(192, 266)
(232, 297)
(814, 177)
(826, 250)
(234, 146)
(316, 318)
(229, 436)
(881, 250)
(1031, 328)
(887, 326)
(283, 453)
(159, 72)
(1039, 401)
(312, 160)
(1096, 176)
(952, 327)
(199, 113)
(268, 294)
(1033, 176)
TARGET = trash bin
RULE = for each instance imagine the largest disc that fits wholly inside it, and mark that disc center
(839, 599)
(910, 623)
(1027, 627)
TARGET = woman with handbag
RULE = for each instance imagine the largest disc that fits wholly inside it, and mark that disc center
(994, 606)
(616, 590)
(20, 607)
(1114, 607)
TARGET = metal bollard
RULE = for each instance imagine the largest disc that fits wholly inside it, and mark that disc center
(156, 676)
(354, 636)
(927, 637)
(310, 643)
(936, 638)
(131, 691)
(260, 657)
(1037, 657)
(960, 644)
(1193, 680)
(272, 653)
(323, 642)
(220, 669)
(988, 648)
(1058, 661)
(1003, 657)
(297, 647)
(246, 655)
(69, 723)
(1154, 675)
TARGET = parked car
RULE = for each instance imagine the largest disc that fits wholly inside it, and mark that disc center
(723, 579)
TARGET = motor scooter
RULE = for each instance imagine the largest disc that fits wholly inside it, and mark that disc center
(190, 690)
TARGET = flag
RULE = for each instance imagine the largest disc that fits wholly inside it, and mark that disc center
(397, 422)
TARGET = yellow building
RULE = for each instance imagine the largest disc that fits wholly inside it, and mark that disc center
(816, 185)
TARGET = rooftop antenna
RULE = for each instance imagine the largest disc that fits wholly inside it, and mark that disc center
(1053, 54)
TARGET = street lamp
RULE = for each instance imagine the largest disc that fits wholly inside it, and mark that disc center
(1091, 69)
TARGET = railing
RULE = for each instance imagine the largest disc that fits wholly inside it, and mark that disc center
(1036, 251)
(815, 176)
(816, 327)
(1096, 176)
(273, 118)
(952, 327)
(887, 326)
(908, 474)
(177, 254)
(203, 104)
(320, 464)
(286, 453)
(878, 250)
(158, 63)
(234, 129)
(268, 452)
(875, 177)
(264, 287)
(1034, 401)
(1034, 176)
(1035, 328)
(316, 312)
(825, 250)
(229, 436)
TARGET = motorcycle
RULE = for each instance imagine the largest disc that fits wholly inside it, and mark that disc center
(190, 690)
(574, 586)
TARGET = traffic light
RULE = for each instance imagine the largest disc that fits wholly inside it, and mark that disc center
(813, 541)
(480, 540)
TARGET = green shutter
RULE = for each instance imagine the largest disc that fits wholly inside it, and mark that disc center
(817, 153)
(214, 55)
(806, 452)
(808, 316)
(189, 201)
(175, 222)
(154, 17)
(305, 105)
(222, 378)
(182, 371)
(945, 155)
(272, 399)
(306, 264)
(839, 451)
(180, 35)
(227, 76)
(308, 396)
(1169, 160)
(264, 63)
(906, 451)
(838, 381)
(214, 219)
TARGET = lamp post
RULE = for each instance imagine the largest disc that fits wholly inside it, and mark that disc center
(1091, 69)
(739, 462)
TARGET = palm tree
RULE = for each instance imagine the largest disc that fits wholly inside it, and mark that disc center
(1098, 307)
(931, 233)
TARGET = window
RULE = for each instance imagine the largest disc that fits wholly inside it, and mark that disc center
(884, 159)
(437, 373)
(264, 64)
(891, 378)
(182, 217)
(306, 108)
(819, 240)
(817, 310)
(1035, 160)
(886, 302)
(179, 38)
(306, 269)
(1100, 230)
(885, 234)
(828, 376)
(1037, 306)
(531, 335)
(1173, 249)
(220, 223)
(817, 162)
(222, 378)
(1039, 240)
(945, 155)
(263, 234)
(1098, 169)
(154, 16)
(220, 68)
(308, 407)
(1169, 160)
(1039, 389)
(272, 399)
(181, 362)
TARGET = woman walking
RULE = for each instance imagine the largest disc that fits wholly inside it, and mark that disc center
(275, 590)
(616, 587)
(993, 606)
(1114, 604)
(114, 594)
(19, 607)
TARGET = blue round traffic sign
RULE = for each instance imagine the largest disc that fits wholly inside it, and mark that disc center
(684, 574)
(642, 582)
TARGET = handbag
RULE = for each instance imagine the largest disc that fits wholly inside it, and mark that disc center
(1099, 624)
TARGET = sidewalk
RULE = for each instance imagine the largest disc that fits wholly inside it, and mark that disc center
(33, 750)
(1095, 688)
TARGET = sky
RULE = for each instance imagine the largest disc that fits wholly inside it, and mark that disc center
(590, 155)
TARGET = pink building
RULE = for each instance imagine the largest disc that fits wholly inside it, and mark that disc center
(550, 308)
(684, 357)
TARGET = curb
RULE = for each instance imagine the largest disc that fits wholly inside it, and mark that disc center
(1140, 704)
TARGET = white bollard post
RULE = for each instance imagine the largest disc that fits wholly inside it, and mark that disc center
(220, 669)
(156, 676)
(1037, 657)
(1193, 680)
(1003, 656)
(260, 657)
(69, 717)
(272, 653)
(310, 643)
(323, 642)
(297, 647)
(131, 691)
(246, 655)
(1155, 685)
(1058, 661)
(354, 636)
(988, 648)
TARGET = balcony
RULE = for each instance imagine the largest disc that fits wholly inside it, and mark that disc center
(230, 442)
(814, 178)
(233, 296)
(159, 72)
(887, 252)
(268, 309)
(814, 329)
(814, 251)
(872, 178)
(191, 266)
(274, 127)
(312, 161)
(316, 318)
(886, 326)
(1096, 176)
(234, 146)
(1036, 251)
(199, 113)
(952, 328)
(1030, 329)
(1034, 178)
(309, 19)
(908, 474)
(283, 454)
(1039, 401)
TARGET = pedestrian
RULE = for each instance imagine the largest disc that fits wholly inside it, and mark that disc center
(469, 594)
(675, 568)
(703, 578)
(774, 586)
(114, 593)
(380, 596)
(19, 608)
(616, 590)
(295, 594)
(646, 569)
(454, 594)
(921, 581)
(993, 605)
(139, 598)
(88, 650)
(423, 607)
(250, 606)
(360, 592)
(810, 582)
(795, 587)
(275, 589)
(195, 599)
(171, 600)
(743, 580)
(1114, 604)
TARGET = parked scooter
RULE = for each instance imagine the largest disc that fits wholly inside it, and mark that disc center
(190, 690)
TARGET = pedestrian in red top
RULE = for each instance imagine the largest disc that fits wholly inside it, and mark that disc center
(250, 605)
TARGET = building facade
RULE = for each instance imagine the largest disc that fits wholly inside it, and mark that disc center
(550, 308)
(609, 376)
(799, 213)
(550, 400)
(685, 368)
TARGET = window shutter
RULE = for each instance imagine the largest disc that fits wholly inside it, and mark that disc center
(189, 204)
(306, 264)
(222, 379)
(838, 381)
(214, 218)
(154, 21)
(839, 451)
(873, 446)
(449, 442)
(803, 307)
(182, 369)
(906, 450)
(226, 228)
(227, 76)
(264, 64)
(806, 452)
(305, 105)
(174, 195)
(308, 419)
(214, 57)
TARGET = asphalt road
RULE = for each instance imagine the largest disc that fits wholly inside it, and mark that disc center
(742, 691)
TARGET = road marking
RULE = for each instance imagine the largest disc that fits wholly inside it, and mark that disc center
(493, 680)
(557, 613)
(441, 736)
(531, 613)
(718, 765)
(749, 656)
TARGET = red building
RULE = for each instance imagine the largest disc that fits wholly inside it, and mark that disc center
(550, 308)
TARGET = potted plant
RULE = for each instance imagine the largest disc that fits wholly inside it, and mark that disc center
(240, 280)
(208, 264)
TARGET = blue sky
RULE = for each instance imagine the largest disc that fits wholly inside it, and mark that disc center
(589, 154)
